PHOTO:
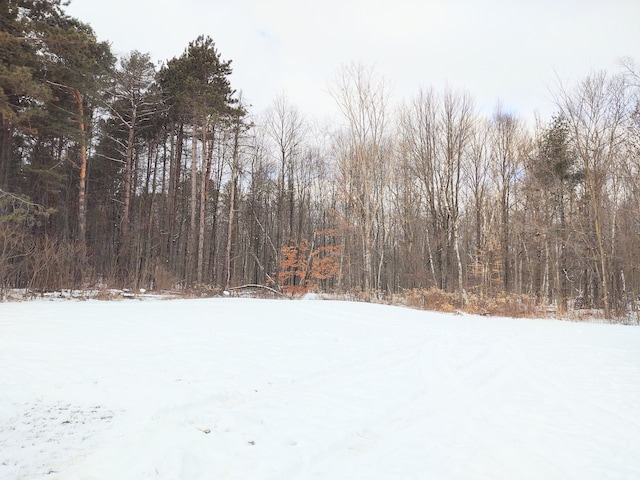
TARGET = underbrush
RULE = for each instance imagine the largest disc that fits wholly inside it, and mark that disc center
(503, 305)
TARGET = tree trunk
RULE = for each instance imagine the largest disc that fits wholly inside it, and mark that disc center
(204, 196)
(82, 208)
(604, 269)
(232, 207)
(127, 182)
(191, 245)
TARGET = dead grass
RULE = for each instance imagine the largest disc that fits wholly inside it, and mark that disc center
(505, 305)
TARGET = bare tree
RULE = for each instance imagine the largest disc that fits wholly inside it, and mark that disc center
(477, 173)
(285, 126)
(437, 130)
(596, 112)
(630, 168)
(238, 128)
(208, 139)
(505, 131)
(364, 157)
(457, 121)
(418, 131)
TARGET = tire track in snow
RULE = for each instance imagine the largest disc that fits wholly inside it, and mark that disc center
(557, 413)
(476, 401)
(338, 387)
(367, 429)
(429, 410)
(601, 431)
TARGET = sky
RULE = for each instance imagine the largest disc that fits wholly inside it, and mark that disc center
(509, 51)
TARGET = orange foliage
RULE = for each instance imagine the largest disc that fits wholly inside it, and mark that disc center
(301, 265)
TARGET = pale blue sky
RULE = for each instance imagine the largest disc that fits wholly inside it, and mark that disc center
(507, 50)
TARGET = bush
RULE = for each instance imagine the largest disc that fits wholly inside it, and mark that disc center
(506, 305)
(431, 299)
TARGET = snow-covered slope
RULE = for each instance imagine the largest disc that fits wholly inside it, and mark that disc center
(266, 389)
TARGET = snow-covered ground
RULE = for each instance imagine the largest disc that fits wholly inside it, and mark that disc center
(270, 389)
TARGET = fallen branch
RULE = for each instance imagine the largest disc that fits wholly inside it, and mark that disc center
(256, 285)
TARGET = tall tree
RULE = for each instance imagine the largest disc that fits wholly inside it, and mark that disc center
(557, 175)
(364, 160)
(285, 127)
(596, 113)
(437, 130)
(505, 132)
(22, 89)
(199, 91)
(132, 103)
(477, 181)
(78, 65)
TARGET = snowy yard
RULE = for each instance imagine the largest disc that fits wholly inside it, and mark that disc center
(274, 389)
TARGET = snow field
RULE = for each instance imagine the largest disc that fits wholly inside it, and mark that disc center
(270, 389)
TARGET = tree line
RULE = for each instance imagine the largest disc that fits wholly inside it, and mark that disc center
(116, 172)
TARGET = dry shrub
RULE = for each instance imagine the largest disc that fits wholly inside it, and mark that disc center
(504, 305)
(163, 279)
(54, 265)
(510, 305)
(296, 291)
(431, 299)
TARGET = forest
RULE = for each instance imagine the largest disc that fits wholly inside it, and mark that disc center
(116, 172)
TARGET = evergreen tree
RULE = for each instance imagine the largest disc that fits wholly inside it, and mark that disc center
(198, 91)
